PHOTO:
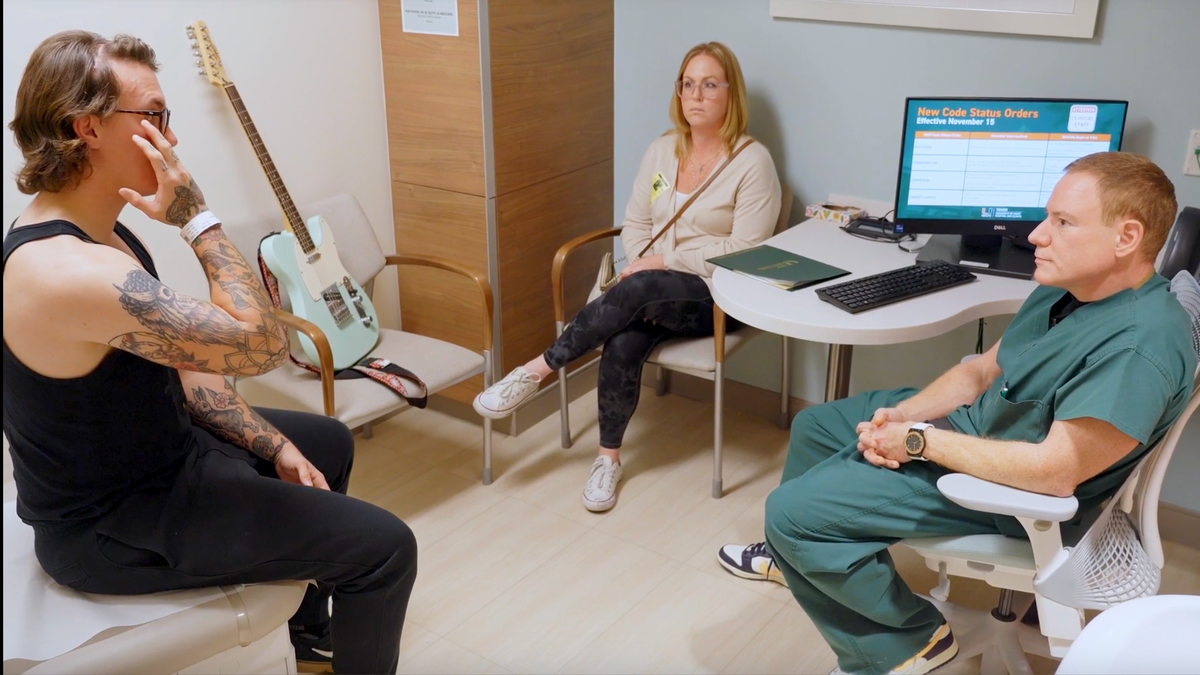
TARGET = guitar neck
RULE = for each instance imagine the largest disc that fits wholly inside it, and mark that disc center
(294, 221)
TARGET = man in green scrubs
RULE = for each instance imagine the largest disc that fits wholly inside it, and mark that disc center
(1091, 372)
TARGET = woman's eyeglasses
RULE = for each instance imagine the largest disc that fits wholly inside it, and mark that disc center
(708, 88)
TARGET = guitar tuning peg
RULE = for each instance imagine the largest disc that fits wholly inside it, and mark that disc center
(196, 53)
(191, 31)
(199, 71)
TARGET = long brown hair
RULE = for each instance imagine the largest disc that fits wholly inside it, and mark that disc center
(68, 76)
(735, 108)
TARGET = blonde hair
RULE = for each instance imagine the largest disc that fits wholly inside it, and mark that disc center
(735, 108)
(1131, 186)
(68, 76)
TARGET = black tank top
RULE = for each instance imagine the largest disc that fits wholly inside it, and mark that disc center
(80, 445)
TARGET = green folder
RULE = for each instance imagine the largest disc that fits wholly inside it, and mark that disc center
(778, 267)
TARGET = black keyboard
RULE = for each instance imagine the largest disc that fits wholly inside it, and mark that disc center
(885, 288)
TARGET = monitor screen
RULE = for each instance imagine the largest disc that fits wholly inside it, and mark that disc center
(977, 166)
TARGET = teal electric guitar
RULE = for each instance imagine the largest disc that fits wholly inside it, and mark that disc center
(303, 257)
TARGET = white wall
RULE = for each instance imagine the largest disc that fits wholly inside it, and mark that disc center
(310, 73)
(827, 99)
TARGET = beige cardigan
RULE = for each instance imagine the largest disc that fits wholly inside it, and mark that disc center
(737, 211)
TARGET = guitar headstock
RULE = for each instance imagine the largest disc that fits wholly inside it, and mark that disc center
(208, 58)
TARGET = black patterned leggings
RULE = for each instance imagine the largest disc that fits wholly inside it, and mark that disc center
(630, 320)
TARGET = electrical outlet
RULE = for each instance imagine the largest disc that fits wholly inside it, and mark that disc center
(1191, 163)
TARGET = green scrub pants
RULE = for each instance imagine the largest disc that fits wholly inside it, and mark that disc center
(829, 524)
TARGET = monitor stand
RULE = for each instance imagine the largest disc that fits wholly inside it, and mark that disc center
(984, 254)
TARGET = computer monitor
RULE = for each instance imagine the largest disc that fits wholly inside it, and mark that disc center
(976, 172)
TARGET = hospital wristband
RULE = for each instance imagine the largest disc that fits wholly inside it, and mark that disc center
(198, 225)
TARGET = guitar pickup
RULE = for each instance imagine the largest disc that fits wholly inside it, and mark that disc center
(337, 308)
(314, 257)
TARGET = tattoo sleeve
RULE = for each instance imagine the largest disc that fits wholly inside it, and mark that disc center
(182, 331)
(228, 417)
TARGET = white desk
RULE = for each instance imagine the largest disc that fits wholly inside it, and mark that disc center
(802, 315)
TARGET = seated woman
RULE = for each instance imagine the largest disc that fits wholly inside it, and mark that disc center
(666, 292)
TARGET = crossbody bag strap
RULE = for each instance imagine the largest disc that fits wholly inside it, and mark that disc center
(695, 194)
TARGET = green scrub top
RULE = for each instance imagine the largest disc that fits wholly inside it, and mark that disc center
(1126, 359)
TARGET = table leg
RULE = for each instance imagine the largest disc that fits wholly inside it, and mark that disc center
(837, 375)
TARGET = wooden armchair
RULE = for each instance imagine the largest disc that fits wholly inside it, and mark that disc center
(701, 357)
(360, 402)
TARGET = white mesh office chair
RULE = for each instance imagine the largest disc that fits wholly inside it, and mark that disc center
(1110, 558)
(701, 357)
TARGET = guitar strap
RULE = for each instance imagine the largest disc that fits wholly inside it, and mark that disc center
(381, 370)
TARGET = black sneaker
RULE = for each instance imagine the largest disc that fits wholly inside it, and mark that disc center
(314, 649)
(941, 649)
(751, 562)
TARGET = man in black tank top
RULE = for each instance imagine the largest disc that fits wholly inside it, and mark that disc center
(137, 465)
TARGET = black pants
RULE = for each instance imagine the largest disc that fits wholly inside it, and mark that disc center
(225, 518)
(630, 320)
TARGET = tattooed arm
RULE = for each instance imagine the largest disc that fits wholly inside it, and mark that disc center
(235, 334)
(98, 294)
(217, 407)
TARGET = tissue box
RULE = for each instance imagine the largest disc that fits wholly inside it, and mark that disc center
(834, 212)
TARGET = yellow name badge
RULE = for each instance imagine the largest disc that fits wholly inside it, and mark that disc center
(658, 186)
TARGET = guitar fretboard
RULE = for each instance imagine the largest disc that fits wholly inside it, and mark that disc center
(295, 222)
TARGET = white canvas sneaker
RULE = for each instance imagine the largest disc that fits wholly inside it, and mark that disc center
(600, 493)
(502, 398)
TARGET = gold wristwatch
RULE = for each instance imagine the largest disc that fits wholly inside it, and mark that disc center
(914, 441)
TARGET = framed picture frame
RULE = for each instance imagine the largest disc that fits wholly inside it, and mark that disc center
(1058, 18)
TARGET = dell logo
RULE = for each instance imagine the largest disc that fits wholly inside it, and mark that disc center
(999, 227)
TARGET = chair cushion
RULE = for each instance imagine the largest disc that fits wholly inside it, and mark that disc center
(992, 549)
(698, 353)
(358, 247)
(438, 363)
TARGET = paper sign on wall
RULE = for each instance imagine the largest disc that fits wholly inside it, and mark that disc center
(432, 17)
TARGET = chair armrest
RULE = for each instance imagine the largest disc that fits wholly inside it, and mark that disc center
(981, 495)
(324, 353)
(485, 287)
(560, 258)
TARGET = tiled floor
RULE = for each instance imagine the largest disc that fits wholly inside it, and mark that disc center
(518, 577)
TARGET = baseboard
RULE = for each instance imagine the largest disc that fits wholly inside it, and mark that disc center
(1178, 524)
(744, 398)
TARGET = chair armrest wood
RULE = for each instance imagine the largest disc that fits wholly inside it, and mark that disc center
(485, 287)
(981, 495)
(556, 270)
(560, 259)
(324, 353)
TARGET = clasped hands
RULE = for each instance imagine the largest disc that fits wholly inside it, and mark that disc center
(881, 440)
